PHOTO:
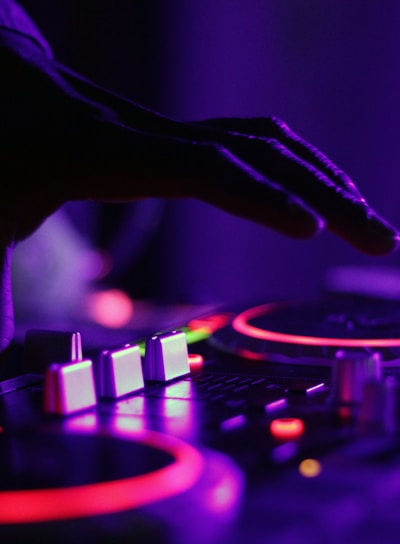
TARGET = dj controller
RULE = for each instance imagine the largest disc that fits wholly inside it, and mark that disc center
(274, 424)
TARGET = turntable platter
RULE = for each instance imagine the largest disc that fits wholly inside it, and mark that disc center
(310, 332)
(61, 476)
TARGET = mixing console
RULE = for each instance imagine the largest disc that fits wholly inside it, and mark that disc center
(234, 438)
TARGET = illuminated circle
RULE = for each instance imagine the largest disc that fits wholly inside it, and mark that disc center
(52, 504)
(310, 468)
(241, 325)
(287, 428)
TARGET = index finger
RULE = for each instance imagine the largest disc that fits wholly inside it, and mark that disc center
(346, 215)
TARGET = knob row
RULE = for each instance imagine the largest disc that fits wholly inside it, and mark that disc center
(73, 384)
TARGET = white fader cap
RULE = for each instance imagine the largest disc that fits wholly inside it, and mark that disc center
(166, 357)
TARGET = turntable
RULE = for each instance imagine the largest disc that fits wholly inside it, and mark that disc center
(279, 422)
(310, 332)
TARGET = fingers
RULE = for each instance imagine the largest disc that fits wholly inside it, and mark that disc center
(303, 149)
(307, 173)
(257, 179)
(126, 165)
(215, 169)
(231, 184)
(346, 215)
(271, 127)
(255, 168)
(270, 147)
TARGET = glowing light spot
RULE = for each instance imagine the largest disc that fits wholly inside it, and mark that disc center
(241, 325)
(112, 308)
(1, 429)
(345, 412)
(196, 362)
(224, 496)
(210, 323)
(287, 428)
(310, 468)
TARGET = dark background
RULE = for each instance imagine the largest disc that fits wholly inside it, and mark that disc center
(329, 69)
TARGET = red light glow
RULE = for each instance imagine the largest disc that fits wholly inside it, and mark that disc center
(241, 325)
(112, 308)
(196, 362)
(43, 505)
(287, 428)
(210, 323)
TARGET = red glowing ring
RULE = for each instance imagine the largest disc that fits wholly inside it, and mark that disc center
(43, 505)
(241, 325)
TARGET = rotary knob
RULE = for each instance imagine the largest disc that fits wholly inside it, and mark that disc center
(352, 370)
(361, 393)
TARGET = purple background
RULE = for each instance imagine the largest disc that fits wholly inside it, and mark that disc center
(329, 69)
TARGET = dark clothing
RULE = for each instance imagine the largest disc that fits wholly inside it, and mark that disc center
(14, 19)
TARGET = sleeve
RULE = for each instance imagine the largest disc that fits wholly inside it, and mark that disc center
(14, 19)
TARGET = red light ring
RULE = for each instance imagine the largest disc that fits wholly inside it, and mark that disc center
(241, 325)
(43, 505)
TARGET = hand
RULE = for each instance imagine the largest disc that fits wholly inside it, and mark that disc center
(253, 168)
(297, 172)
(64, 138)
(73, 140)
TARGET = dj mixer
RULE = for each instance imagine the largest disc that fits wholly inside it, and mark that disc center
(275, 424)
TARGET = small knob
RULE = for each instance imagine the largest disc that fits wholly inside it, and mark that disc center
(378, 410)
(351, 371)
(119, 372)
(69, 387)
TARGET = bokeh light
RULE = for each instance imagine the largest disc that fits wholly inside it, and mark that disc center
(112, 308)
(310, 468)
(287, 428)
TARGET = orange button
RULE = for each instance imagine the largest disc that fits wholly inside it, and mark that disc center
(287, 428)
(196, 361)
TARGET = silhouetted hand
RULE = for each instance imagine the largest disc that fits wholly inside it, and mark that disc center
(64, 138)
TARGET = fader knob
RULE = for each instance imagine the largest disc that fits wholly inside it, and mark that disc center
(119, 372)
(69, 387)
(378, 408)
(166, 357)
